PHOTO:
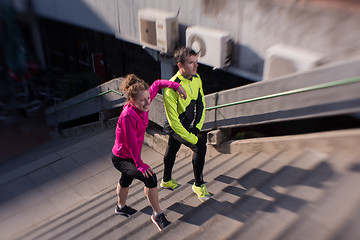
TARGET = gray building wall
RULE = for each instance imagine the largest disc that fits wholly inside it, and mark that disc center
(96, 15)
(254, 25)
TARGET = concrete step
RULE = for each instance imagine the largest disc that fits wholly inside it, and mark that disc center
(171, 200)
(85, 219)
(349, 230)
(262, 189)
(259, 189)
(80, 218)
(325, 218)
(299, 200)
(192, 219)
(115, 226)
(182, 172)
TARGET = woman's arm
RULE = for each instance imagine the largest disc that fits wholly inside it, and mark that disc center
(130, 130)
(159, 84)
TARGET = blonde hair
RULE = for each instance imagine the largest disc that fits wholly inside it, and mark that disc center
(133, 85)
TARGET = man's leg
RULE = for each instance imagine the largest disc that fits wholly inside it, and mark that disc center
(198, 162)
(198, 159)
(169, 157)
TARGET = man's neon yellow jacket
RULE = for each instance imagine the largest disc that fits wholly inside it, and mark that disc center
(182, 113)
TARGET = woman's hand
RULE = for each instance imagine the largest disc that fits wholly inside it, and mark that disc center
(148, 173)
(182, 93)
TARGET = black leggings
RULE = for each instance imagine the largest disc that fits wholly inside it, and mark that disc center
(198, 158)
(129, 172)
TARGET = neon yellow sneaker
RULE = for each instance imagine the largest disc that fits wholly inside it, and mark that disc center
(172, 184)
(201, 192)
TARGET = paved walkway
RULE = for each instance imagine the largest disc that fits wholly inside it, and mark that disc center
(67, 174)
(20, 134)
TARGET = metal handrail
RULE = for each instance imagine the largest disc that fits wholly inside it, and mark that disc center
(85, 100)
(305, 89)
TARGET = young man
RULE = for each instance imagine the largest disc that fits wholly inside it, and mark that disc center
(185, 119)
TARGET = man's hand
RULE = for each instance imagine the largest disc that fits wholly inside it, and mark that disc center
(201, 140)
(181, 91)
(194, 130)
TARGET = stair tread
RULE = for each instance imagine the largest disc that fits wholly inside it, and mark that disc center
(287, 209)
(190, 223)
(263, 193)
(257, 197)
(327, 216)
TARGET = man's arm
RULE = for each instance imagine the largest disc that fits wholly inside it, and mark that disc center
(200, 109)
(200, 112)
(170, 103)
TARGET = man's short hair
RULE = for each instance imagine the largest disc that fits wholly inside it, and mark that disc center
(182, 53)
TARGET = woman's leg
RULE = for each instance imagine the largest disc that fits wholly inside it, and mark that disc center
(152, 195)
(122, 188)
(122, 194)
(129, 172)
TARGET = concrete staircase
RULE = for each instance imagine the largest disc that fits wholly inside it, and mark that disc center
(292, 187)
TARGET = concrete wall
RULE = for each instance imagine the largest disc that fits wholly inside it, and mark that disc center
(330, 101)
(87, 103)
(92, 14)
(256, 25)
(342, 99)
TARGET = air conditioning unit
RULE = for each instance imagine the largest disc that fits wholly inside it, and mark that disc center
(281, 60)
(214, 46)
(159, 29)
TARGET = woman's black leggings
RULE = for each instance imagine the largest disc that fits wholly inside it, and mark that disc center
(129, 172)
(198, 159)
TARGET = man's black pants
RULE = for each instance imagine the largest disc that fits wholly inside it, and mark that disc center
(198, 159)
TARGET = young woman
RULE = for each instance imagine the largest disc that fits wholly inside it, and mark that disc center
(130, 131)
